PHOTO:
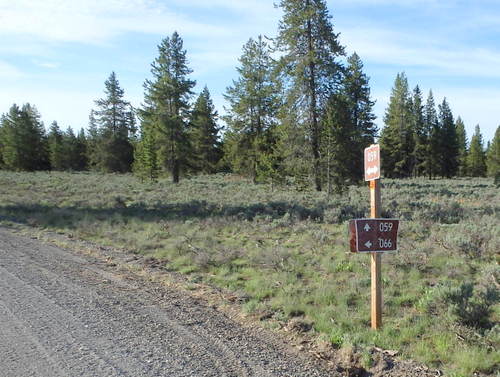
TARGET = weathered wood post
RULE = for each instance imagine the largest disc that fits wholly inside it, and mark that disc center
(376, 260)
(374, 235)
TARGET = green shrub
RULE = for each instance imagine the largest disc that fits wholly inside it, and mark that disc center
(472, 304)
(441, 212)
(475, 240)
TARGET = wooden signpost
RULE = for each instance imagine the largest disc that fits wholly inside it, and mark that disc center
(374, 235)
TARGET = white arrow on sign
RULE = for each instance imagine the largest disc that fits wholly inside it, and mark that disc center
(368, 244)
(367, 227)
(372, 170)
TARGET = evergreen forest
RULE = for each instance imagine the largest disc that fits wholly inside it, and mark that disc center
(300, 112)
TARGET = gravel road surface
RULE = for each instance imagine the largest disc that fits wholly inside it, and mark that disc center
(63, 314)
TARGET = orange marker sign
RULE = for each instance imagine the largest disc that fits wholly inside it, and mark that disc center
(372, 162)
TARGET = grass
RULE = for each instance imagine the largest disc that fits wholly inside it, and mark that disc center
(285, 252)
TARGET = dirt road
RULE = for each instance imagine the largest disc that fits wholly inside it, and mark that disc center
(65, 314)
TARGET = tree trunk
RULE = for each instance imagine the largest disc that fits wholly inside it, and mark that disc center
(328, 171)
(254, 160)
(174, 162)
(313, 112)
(175, 171)
(255, 134)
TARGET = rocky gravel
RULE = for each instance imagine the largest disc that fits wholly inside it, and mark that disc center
(63, 313)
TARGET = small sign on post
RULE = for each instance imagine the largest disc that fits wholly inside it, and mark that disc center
(372, 162)
(373, 235)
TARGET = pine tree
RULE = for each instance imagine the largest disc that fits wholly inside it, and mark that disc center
(421, 134)
(493, 157)
(396, 141)
(110, 128)
(204, 133)
(476, 159)
(270, 163)
(253, 106)
(310, 50)
(462, 147)
(81, 151)
(92, 142)
(356, 92)
(166, 107)
(449, 141)
(347, 129)
(66, 150)
(56, 148)
(339, 134)
(75, 150)
(145, 162)
(69, 142)
(432, 125)
(24, 143)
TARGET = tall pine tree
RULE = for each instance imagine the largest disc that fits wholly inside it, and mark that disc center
(75, 150)
(421, 135)
(396, 141)
(253, 106)
(310, 51)
(355, 87)
(347, 128)
(204, 133)
(476, 159)
(57, 154)
(80, 152)
(449, 141)
(145, 164)
(337, 147)
(164, 116)
(23, 139)
(493, 157)
(462, 147)
(111, 127)
(432, 124)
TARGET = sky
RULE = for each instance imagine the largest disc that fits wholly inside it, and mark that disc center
(56, 54)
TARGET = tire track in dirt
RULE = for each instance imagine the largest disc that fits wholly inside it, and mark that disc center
(64, 314)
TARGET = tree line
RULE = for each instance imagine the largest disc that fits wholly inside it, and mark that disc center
(299, 111)
(421, 140)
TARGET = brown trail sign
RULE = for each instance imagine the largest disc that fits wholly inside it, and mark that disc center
(373, 235)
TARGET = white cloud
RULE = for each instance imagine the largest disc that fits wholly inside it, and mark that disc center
(401, 3)
(46, 64)
(391, 47)
(253, 6)
(94, 21)
(214, 46)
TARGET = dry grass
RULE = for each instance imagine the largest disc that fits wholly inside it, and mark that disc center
(284, 252)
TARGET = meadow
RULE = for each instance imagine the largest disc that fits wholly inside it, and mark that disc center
(284, 252)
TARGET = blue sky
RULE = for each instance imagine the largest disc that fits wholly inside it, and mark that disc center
(57, 54)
